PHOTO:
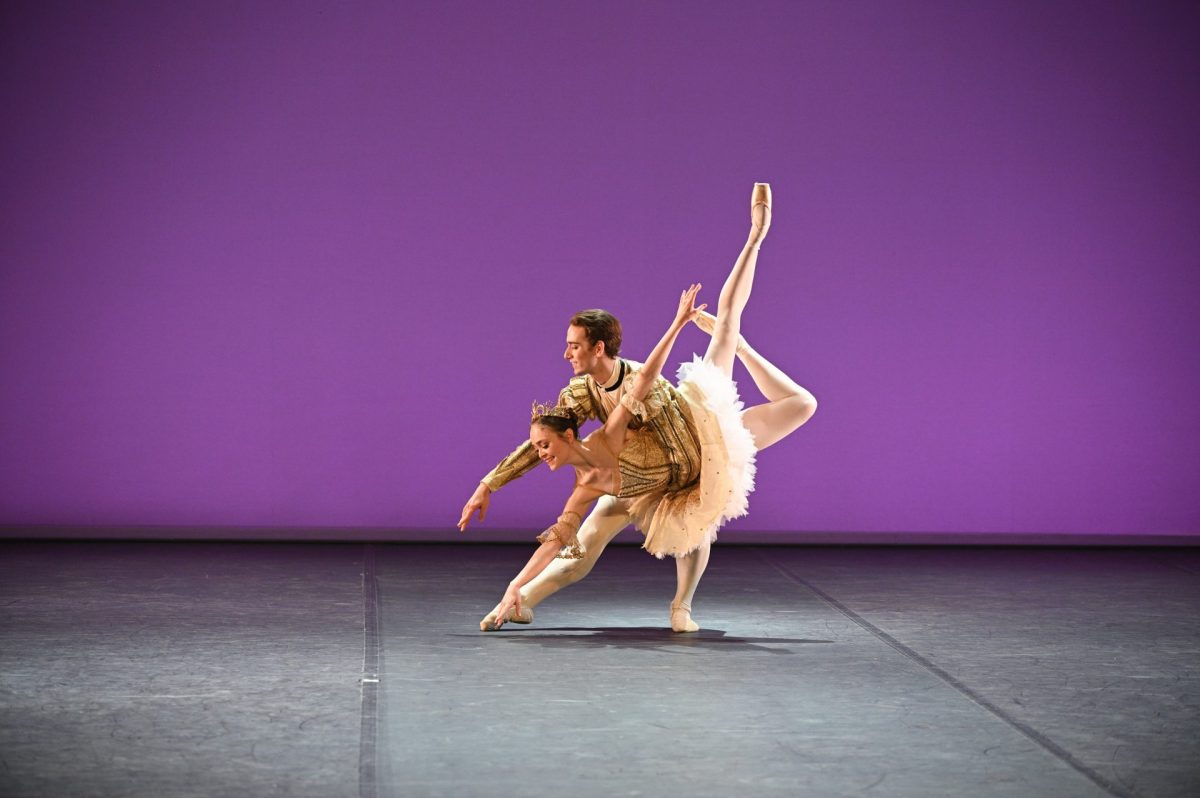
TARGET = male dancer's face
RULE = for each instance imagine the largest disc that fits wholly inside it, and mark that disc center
(581, 353)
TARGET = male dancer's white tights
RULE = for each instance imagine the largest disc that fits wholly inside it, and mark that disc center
(608, 517)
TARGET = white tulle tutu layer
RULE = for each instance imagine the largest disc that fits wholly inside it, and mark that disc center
(678, 523)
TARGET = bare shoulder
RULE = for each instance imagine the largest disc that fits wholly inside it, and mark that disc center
(600, 447)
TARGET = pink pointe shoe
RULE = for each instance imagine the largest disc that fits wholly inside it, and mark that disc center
(760, 212)
(681, 618)
(488, 624)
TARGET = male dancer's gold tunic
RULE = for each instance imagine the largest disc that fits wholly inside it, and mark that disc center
(661, 453)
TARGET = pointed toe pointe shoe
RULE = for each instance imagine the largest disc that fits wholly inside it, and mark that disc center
(761, 195)
(488, 624)
(760, 212)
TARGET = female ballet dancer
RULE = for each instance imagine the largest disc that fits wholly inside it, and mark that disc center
(684, 523)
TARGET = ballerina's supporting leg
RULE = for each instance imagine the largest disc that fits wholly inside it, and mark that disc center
(736, 291)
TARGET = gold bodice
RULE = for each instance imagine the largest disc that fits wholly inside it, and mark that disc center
(661, 452)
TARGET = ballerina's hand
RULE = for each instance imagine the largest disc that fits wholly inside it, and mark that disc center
(687, 306)
(511, 601)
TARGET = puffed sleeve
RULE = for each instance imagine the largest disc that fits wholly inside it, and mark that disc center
(578, 399)
(649, 407)
(522, 459)
(565, 532)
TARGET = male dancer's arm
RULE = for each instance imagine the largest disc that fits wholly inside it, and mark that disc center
(523, 458)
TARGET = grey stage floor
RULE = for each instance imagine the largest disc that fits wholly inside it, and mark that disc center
(181, 669)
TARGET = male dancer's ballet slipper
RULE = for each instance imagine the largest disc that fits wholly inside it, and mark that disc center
(681, 618)
(488, 624)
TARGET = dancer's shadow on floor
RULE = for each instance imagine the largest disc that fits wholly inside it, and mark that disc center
(643, 638)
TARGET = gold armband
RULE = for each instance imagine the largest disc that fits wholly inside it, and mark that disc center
(564, 532)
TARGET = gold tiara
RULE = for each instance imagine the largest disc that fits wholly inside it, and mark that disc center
(558, 411)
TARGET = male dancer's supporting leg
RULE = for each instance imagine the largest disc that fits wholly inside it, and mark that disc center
(788, 406)
(688, 570)
(604, 522)
(726, 332)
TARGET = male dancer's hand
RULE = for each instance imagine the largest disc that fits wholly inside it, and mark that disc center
(478, 501)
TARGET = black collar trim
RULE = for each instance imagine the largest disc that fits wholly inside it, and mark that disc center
(620, 380)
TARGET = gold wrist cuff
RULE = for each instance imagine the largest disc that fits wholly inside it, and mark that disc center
(563, 533)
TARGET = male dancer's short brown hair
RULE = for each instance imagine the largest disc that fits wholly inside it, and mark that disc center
(600, 326)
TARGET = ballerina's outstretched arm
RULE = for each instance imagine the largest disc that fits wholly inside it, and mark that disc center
(618, 421)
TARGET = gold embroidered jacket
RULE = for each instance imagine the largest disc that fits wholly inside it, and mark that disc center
(660, 454)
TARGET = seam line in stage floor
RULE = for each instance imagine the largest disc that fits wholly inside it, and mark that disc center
(1053, 748)
(368, 785)
(1155, 557)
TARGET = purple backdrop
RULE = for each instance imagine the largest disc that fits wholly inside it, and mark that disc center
(307, 264)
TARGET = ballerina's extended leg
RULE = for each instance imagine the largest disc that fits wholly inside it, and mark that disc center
(736, 290)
